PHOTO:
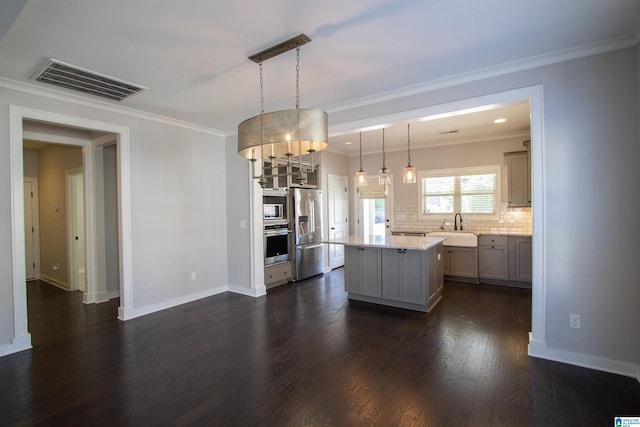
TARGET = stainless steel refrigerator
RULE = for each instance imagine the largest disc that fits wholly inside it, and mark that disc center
(307, 249)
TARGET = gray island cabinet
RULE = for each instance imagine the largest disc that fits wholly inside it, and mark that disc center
(398, 271)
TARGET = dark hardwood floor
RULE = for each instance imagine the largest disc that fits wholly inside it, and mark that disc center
(302, 355)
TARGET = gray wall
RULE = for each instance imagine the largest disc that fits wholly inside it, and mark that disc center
(237, 207)
(178, 216)
(53, 161)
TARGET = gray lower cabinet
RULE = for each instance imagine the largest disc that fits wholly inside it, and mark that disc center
(362, 271)
(521, 263)
(277, 274)
(504, 259)
(461, 262)
(493, 257)
(405, 278)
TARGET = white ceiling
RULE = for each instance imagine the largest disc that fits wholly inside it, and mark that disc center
(192, 56)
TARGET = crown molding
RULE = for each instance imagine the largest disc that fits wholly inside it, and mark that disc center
(500, 137)
(628, 40)
(102, 105)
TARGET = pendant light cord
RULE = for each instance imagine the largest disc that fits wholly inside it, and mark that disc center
(384, 167)
(408, 145)
(360, 151)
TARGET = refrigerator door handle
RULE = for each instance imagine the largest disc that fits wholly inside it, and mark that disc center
(305, 247)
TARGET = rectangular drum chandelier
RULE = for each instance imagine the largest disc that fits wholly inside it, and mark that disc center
(282, 134)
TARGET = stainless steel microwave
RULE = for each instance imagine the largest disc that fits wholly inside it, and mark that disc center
(273, 211)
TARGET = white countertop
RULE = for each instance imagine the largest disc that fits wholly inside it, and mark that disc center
(394, 242)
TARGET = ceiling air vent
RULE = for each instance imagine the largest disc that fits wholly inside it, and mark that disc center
(68, 76)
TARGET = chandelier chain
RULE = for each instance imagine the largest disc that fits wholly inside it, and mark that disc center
(297, 77)
(261, 90)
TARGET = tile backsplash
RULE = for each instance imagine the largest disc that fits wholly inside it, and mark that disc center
(512, 221)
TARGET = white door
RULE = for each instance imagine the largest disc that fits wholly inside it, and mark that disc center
(76, 231)
(31, 236)
(338, 217)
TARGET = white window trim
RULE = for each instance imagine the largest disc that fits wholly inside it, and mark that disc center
(431, 173)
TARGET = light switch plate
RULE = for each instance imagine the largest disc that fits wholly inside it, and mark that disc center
(574, 321)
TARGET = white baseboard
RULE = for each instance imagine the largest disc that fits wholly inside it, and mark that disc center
(17, 344)
(126, 313)
(94, 298)
(251, 292)
(54, 282)
(540, 350)
(113, 294)
(143, 311)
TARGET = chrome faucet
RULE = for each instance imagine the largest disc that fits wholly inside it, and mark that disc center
(442, 226)
(455, 221)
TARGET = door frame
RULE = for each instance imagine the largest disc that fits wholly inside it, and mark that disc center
(534, 94)
(388, 206)
(330, 209)
(71, 218)
(17, 114)
(36, 225)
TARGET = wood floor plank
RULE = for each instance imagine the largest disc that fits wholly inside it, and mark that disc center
(302, 355)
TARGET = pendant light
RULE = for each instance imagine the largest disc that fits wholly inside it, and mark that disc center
(384, 176)
(361, 175)
(409, 172)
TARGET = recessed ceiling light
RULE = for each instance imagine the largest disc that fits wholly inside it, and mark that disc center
(348, 143)
(499, 121)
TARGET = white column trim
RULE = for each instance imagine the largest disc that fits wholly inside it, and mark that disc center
(17, 115)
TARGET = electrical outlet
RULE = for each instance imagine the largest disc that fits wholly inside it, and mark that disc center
(574, 321)
(193, 275)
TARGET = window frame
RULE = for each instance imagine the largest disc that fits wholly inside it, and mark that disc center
(474, 170)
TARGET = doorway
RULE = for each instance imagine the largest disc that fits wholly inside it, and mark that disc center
(375, 208)
(338, 217)
(94, 263)
(75, 229)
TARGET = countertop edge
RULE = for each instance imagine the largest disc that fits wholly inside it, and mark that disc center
(393, 242)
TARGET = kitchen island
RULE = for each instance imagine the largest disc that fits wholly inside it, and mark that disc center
(398, 271)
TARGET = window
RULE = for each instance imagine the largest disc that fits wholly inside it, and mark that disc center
(471, 191)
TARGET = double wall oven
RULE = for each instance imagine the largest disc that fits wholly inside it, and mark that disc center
(276, 228)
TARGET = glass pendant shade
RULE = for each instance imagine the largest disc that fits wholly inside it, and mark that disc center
(361, 178)
(409, 172)
(361, 175)
(409, 175)
(384, 176)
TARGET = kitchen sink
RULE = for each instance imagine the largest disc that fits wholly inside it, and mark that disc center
(457, 238)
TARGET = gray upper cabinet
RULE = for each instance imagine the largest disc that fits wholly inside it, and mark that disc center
(518, 179)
